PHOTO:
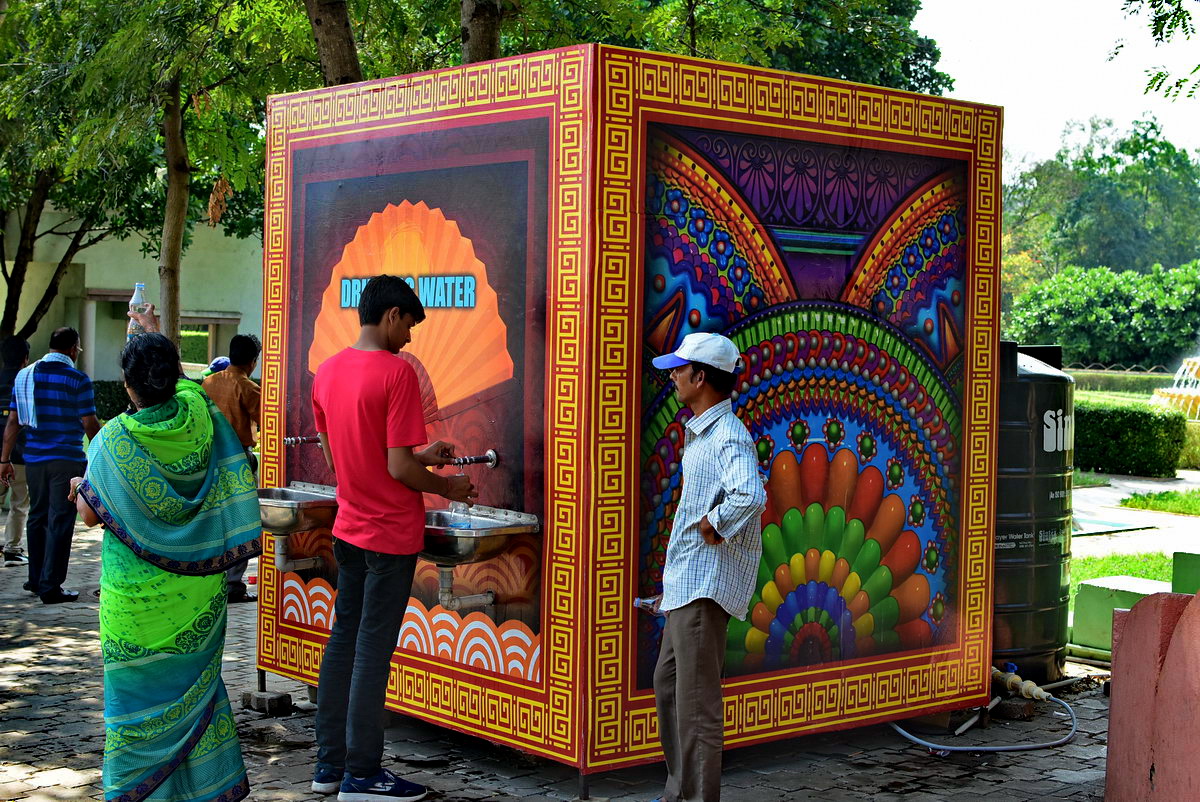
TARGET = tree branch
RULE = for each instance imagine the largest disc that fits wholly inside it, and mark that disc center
(60, 270)
(52, 228)
(3, 241)
(43, 182)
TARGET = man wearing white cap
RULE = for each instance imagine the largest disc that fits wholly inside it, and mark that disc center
(712, 564)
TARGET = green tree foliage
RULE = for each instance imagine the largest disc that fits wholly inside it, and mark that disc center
(183, 81)
(1127, 200)
(154, 101)
(58, 211)
(1102, 316)
(1169, 19)
(871, 41)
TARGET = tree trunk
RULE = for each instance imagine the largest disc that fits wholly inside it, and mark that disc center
(330, 23)
(51, 292)
(480, 21)
(691, 23)
(43, 182)
(175, 218)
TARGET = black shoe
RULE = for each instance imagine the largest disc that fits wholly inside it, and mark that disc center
(239, 598)
(60, 596)
(28, 588)
(12, 558)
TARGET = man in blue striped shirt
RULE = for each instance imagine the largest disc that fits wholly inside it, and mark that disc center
(53, 400)
(711, 567)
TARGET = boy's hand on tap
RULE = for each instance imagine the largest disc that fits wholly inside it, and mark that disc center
(436, 454)
(459, 488)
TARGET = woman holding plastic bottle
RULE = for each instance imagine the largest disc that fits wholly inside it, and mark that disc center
(172, 487)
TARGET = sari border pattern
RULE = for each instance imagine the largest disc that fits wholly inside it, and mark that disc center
(212, 565)
(149, 785)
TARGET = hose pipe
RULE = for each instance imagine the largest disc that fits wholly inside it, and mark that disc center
(1014, 683)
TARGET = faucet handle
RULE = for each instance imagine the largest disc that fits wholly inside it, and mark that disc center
(489, 458)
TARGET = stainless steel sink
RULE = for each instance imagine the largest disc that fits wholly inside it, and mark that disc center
(298, 508)
(473, 534)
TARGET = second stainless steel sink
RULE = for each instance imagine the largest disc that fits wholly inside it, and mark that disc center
(298, 508)
(464, 534)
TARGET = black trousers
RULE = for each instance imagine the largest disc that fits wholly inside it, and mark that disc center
(51, 523)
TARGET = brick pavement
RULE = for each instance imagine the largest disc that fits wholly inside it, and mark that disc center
(51, 735)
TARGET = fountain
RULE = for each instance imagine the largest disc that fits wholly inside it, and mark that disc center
(1184, 394)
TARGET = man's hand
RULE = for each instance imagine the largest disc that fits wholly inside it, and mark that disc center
(6, 473)
(459, 488)
(651, 604)
(148, 320)
(437, 453)
(709, 533)
(76, 481)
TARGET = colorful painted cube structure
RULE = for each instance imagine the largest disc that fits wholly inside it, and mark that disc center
(565, 217)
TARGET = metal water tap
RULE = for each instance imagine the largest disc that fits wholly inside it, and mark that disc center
(299, 441)
(489, 458)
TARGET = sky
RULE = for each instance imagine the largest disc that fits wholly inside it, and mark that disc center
(1047, 63)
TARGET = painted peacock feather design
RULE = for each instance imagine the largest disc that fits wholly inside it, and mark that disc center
(852, 399)
(838, 577)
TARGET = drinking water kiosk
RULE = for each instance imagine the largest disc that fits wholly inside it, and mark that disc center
(565, 217)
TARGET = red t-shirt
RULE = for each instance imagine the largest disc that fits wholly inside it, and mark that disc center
(367, 402)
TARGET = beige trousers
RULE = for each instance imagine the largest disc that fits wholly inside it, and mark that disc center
(687, 693)
(18, 511)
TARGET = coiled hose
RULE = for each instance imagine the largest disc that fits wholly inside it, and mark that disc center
(1026, 688)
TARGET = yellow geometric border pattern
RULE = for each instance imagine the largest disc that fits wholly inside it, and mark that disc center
(557, 85)
(634, 88)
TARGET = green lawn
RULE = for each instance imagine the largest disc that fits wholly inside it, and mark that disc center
(1147, 565)
(1186, 502)
(1088, 479)
(1112, 397)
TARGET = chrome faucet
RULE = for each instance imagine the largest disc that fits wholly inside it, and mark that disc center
(299, 441)
(489, 458)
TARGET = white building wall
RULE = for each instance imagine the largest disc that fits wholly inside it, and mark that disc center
(219, 274)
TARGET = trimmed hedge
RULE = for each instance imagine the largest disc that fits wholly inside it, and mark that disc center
(193, 346)
(1132, 439)
(1120, 381)
(1190, 458)
(111, 398)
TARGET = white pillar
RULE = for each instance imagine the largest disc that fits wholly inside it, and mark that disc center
(89, 337)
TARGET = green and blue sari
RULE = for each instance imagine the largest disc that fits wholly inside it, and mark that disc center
(178, 501)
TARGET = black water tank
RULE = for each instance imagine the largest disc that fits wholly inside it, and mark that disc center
(1036, 453)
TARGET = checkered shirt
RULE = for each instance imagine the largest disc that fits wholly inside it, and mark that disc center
(720, 480)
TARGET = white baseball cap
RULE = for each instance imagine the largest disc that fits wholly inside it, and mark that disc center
(706, 348)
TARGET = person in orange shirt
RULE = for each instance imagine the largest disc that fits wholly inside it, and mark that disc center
(238, 398)
(236, 394)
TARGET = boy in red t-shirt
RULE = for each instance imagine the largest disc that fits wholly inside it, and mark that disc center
(368, 413)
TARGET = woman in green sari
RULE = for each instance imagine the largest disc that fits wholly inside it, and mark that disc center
(172, 487)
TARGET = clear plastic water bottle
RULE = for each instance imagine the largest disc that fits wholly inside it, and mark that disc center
(649, 605)
(136, 304)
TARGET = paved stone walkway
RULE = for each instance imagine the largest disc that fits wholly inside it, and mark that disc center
(1148, 530)
(51, 734)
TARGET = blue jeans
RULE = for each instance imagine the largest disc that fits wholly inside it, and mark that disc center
(373, 590)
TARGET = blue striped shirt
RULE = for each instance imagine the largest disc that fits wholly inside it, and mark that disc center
(63, 395)
(720, 480)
